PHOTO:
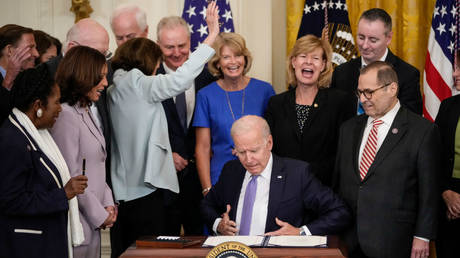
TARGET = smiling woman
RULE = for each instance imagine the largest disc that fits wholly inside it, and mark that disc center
(82, 77)
(305, 120)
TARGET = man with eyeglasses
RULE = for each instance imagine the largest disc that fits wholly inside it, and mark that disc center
(386, 171)
(373, 38)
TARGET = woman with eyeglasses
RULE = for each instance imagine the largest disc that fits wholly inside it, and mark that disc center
(305, 120)
(448, 120)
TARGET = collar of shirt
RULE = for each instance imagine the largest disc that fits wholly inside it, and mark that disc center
(363, 64)
(382, 130)
(3, 72)
(260, 209)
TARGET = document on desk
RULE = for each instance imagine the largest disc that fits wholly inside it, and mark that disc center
(269, 241)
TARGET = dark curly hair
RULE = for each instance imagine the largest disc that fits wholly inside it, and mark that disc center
(30, 85)
(140, 53)
(78, 72)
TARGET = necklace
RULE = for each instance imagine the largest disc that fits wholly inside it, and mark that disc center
(230, 105)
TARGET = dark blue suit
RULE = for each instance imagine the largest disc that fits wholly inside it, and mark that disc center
(33, 208)
(295, 194)
(186, 205)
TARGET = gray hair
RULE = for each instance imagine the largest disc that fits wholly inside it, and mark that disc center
(141, 17)
(171, 22)
(250, 122)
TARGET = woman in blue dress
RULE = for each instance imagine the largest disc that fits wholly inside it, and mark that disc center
(222, 102)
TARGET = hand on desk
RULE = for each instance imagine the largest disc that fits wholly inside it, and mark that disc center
(226, 226)
(285, 230)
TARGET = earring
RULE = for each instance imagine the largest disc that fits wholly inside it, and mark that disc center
(39, 113)
(293, 66)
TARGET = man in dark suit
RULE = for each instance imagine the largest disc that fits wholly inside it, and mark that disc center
(373, 38)
(174, 41)
(17, 52)
(263, 193)
(386, 171)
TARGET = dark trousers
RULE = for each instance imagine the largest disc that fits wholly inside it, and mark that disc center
(448, 238)
(185, 210)
(139, 217)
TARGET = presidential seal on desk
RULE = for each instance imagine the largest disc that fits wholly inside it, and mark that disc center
(231, 250)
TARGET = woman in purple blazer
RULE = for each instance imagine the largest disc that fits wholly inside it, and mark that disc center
(78, 133)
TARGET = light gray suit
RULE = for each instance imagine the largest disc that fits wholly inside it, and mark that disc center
(78, 137)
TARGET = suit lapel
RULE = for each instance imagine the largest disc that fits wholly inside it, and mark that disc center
(291, 113)
(397, 130)
(90, 123)
(277, 182)
(357, 139)
(320, 99)
(239, 177)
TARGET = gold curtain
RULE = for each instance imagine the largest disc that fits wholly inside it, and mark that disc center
(411, 24)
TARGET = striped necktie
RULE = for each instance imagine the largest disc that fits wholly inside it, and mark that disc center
(370, 149)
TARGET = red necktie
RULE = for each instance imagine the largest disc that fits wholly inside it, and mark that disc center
(369, 150)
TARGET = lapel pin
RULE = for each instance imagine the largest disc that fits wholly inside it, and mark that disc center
(315, 105)
(28, 148)
(279, 177)
(394, 130)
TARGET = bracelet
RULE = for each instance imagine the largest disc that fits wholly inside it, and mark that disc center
(206, 190)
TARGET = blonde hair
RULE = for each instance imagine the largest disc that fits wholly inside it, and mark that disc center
(305, 45)
(235, 42)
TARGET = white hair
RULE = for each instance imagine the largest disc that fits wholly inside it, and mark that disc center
(172, 22)
(141, 17)
(248, 123)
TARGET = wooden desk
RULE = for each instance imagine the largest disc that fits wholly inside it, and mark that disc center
(335, 249)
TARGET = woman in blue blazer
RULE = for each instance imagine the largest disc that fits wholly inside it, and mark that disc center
(35, 185)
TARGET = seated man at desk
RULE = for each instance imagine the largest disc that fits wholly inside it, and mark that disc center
(261, 193)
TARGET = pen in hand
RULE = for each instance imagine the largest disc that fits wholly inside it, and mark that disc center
(84, 166)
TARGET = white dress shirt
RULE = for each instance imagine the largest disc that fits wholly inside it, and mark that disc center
(189, 97)
(97, 117)
(260, 209)
(363, 64)
(382, 132)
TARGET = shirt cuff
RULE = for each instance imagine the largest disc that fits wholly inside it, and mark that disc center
(306, 230)
(214, 226)
(422, 238)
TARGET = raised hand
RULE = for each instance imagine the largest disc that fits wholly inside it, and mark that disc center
(212, 20)
(226, 226)
(15, 61)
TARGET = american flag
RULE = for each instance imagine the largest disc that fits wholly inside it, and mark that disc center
(437, 77)
(195, 13)
(335, 13)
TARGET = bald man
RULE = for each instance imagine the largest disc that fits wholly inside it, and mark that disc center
(127, 22)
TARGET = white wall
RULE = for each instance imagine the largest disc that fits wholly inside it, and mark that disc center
(261, 22)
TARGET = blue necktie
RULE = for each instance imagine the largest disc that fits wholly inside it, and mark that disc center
(181, 108)
(248, 205)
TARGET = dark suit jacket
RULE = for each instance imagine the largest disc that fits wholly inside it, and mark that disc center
(447, 120)
(317, 144)
(345, 77)
(183, 142)
(294, 192)
(5, 107)
(101, 105)
(397, 199)
(30, 199)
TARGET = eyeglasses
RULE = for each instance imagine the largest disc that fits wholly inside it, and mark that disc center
(107, 54)
(368, 93)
